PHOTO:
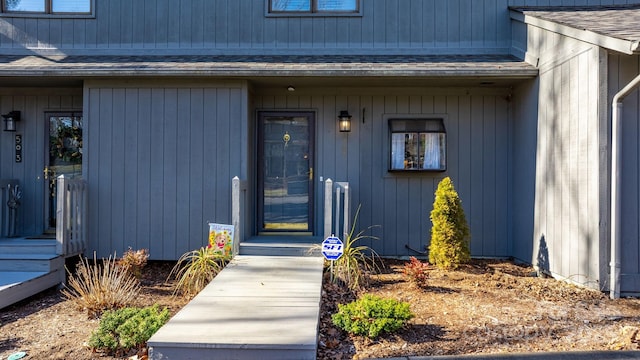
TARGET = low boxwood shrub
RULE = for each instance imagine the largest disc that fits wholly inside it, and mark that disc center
(372, 315)
(124, 329)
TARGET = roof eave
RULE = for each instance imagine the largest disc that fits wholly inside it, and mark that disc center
(431, 73)
(628, 47)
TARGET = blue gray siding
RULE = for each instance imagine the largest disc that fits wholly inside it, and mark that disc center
(568, 209)
(229, 26)
(478, 143)
(525, 129)
(159, 161)
(622, 70)
(32, 103)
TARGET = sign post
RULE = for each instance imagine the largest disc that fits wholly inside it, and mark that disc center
(332, 250)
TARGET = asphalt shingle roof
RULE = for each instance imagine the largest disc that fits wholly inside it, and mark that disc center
(620, 22)
(266, 65)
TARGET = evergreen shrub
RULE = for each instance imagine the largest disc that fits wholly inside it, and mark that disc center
(128, 328)
(450, 234)
(371, 315)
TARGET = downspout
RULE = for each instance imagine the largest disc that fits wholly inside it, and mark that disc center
(616, 203)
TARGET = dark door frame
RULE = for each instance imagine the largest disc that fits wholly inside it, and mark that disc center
(48, 169)
(260, 116)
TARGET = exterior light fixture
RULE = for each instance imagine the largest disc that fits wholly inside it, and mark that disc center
(10, 120)
(344, 121)
(291, 88)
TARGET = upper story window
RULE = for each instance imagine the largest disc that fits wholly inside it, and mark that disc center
(324, 7)
(54, 7)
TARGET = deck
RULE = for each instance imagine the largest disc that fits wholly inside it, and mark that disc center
(258, 307)
(27, 267)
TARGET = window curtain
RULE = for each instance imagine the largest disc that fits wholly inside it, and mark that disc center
(397, 151)
(432, 151)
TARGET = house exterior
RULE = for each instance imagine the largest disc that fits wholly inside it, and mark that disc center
(174, 99)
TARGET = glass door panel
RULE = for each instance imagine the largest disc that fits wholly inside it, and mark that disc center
(285, 172)
(64, 156)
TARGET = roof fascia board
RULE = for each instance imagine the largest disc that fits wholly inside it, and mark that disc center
(433, 73)
(624, 46)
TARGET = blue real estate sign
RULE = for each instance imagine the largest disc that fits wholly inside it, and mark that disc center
(332, 248)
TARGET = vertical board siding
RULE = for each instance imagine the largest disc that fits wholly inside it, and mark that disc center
(461, 26)
(161, 159)
(398, 205)
(622, 70)
(567, 185)
(525, 138)
(32, 104)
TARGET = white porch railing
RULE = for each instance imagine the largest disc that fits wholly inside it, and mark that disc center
(71, 216)
(238, 210)
(8, 221)
(341, 202)
(337, 209)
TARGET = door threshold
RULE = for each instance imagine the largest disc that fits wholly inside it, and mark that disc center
(286, 233)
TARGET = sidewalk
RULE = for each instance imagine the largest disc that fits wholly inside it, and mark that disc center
(258, 307)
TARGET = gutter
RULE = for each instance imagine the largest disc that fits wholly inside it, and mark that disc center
(616, 203)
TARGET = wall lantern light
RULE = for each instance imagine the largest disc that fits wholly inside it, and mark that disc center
(344, 121)
(10, 120)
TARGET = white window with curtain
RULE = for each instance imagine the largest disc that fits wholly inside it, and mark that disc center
(418, 144)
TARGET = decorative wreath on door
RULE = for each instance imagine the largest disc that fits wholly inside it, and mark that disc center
(66, 144)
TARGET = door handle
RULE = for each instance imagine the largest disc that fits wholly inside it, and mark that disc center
(311, 174)
(48, 173)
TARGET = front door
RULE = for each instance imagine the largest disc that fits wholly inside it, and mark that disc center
(64, 156)
(285, 172)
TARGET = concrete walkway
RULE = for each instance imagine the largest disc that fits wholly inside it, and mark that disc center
(258, 307)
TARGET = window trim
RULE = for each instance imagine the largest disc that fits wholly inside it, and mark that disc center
(314, 12)
(441, 118)
(48, 12)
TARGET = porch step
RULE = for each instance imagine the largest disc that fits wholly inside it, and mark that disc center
(31, 262)
(27, 246)
(258, 307)
(16, 285)
(281, 246)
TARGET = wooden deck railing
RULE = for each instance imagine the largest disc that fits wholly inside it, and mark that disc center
(342, 205)
(8, 220)
(71, 216)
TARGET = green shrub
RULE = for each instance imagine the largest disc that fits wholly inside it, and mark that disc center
(122, 330)
(195, 270)
(101, 286)
(371, 315)
(357, 261)
(417, 271)
(450, 233)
